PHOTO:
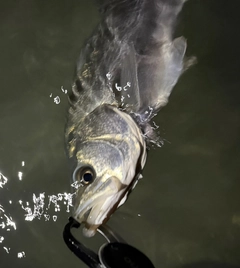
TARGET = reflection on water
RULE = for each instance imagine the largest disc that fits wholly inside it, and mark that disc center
(6, 221)
(41, 206)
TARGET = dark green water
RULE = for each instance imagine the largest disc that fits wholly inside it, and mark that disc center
(189, 199)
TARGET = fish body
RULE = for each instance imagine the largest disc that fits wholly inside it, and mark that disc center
(125, 75)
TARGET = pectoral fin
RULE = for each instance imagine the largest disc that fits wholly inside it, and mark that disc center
(129, 82)
(171, 71)
(158, 73)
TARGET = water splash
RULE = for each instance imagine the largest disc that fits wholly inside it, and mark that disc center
(40, 209)
(41, 206)
(109, 76)
(21, 254)
(7, 222)
(20, 175)
(6, 249)
(57, 99)
(76, 185)
(153, 139)
(124, 88)
(3, 180)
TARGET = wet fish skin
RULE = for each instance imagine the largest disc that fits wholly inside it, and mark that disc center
(125, 75)
(114, 147)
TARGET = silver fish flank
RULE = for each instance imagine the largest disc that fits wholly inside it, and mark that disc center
(125, 75)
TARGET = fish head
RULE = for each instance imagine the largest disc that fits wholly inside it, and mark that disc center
(106, 170)
(104, 180)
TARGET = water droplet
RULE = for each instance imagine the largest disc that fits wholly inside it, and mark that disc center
(21, 254)
(7, 249)
(20, 175)
(3, 180)
(57, 100)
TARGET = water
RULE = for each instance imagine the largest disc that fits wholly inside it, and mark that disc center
(186, 210)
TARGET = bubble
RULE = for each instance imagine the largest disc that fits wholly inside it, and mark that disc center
(20, 175)
(109, 76)
(57, 100)
(118, 88)
(128, 85)
(64, 90)
(21, 255)
(76, 185)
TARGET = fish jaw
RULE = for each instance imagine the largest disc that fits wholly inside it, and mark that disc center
(97, 202)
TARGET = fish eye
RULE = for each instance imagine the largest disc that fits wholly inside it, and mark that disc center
(85, 175)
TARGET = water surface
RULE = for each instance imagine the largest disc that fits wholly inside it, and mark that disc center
(186, 210)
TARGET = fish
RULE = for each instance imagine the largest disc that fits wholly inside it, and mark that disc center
(125, 74)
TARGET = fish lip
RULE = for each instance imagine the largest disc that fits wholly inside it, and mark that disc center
(88, 230)
(93, 211)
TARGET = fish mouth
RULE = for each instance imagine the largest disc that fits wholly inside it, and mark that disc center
(97, 203)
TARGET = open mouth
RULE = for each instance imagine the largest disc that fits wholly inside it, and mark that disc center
(89, 230)
(97, 204)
